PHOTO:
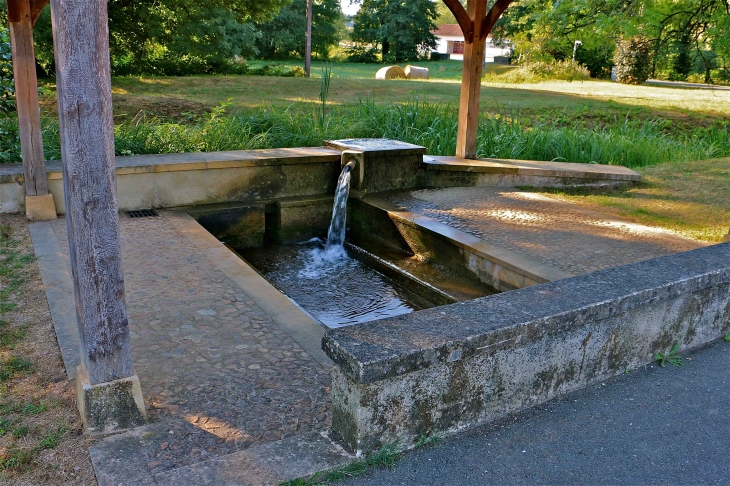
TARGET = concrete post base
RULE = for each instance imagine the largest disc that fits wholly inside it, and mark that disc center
(109, 407)
(40, 208)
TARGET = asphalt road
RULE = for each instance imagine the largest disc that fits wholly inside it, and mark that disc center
(653, 426)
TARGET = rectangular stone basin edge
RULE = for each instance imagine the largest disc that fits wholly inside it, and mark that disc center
(532, 168)
(518, 263)
(136, 164)
(382, 349)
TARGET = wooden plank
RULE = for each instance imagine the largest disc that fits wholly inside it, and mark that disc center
(26, 96)
(465, 22)
(36, 7)
(81, 44)
(471, 83)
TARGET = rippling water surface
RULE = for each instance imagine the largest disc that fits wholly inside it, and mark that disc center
(331, 286)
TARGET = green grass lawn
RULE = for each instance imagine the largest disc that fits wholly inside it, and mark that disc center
(588, 103)
(691, 199)
(581, 121)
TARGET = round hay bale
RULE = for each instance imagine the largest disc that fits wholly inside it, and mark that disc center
(390, 72)
(415, 72)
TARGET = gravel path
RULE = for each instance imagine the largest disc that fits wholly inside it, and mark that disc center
(217, 374)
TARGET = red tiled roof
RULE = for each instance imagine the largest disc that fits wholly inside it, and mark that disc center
(448, 30)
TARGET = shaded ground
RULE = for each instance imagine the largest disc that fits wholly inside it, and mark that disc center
(653, 426)
(218, 374)
(41, 440)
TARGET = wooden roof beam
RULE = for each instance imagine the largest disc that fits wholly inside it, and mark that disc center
(465, 22)
(491, 19)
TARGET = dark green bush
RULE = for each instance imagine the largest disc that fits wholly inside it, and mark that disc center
(7, 85)
(632, 60)
(362, 54)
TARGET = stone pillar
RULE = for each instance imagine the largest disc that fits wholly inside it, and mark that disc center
(38, 201)
(109, 393)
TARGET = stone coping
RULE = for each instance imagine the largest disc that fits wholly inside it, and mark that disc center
(391, 347)
(376, 147)
(532, 168)
(517, 262)
(136, 164)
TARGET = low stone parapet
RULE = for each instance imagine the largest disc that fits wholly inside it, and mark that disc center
(173, 180)
(446, 369)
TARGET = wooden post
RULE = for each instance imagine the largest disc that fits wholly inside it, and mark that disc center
(476, 23)
(308, 45)
(471, 84)
(39, 204)
(109, 393)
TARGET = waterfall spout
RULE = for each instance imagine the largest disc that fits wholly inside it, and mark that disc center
(336, 233)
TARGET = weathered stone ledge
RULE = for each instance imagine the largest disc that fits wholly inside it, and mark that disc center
(447, 369)
(532, 168)
(174, 180)
(139, 164)
(391, 347)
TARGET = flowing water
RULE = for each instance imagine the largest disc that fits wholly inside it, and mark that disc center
(326, 282)
(333, 287)
(336, 233)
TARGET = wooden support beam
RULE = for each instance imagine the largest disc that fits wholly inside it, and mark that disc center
(26, 97)
(481, 24)
(36, 7)
(465, 22)
(471, 83)
(491, 19)
(81, 44)
(108, 392)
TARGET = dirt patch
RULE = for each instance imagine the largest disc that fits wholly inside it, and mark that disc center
(126, 106)
(41, 437)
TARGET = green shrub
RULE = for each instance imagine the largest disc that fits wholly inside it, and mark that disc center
(632, 60)
(7, 84)
(535, 72)
(9, 139)
(362, 54)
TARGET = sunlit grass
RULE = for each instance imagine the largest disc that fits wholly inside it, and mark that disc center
(691, 199)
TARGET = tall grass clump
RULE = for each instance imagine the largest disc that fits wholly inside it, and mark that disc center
(629, 142)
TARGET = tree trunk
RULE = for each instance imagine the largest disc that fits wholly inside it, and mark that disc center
(81, 44)
(26, 95)
(471, 83)
(308, 45)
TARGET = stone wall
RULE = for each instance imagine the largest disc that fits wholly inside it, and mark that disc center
(449, 368)
(174, 180)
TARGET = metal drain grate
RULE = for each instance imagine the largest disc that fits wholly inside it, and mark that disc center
(142, 213)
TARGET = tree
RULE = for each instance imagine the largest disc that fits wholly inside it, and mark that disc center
(284, 35)
(146, 34)
(682, 33)
(402, 29)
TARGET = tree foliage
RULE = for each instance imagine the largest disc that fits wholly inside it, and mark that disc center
(284, 35)
(172, 36)
(685, 36)
(7, 83)
(400, 28)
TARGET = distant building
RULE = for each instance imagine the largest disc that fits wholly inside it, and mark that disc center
(450, 42)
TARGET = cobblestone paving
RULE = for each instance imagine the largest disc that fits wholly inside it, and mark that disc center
(217, 374)
(558, 234)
